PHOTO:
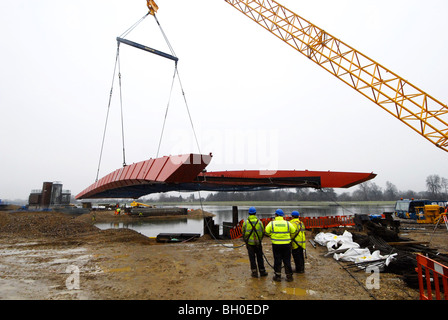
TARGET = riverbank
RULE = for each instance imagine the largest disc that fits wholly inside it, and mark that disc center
(110, 216)
(50, 255)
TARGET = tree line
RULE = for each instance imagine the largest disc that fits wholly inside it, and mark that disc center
(436, 189)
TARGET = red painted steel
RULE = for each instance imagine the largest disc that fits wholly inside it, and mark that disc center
(186, 173)
(322, 179)
(169, 169)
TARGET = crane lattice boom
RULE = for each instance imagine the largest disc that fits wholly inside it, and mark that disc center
(417, 109)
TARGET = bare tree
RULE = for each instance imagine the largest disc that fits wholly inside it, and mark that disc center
(368, 191)
(433, 185)
(391, 192)
(363, 191)
(444, 185)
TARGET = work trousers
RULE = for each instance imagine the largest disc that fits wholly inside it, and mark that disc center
(282, 254)
(256, 257)
(299, 261)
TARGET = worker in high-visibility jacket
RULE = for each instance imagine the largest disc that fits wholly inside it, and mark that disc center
(280, 232)
(298, 243)
(253, 232)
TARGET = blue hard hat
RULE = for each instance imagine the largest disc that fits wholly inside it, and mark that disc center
(279, 212)
(252, 210)
(295, 214)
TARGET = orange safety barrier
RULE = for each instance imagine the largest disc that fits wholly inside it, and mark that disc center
(433, 270)
(311, 222)
(346, 221)
(266, 221)
(236, 231)
(327, 222)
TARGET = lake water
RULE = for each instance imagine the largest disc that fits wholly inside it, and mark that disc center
(224, 213)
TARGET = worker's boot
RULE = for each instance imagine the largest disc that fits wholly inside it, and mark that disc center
(289, 277)
(254, 274)
(300, 270)
(263, 273)
(277, 277)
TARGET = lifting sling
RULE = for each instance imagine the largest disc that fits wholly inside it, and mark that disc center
(147, 49)
(172, 56)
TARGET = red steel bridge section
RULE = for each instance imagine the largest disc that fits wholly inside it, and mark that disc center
(187, 173)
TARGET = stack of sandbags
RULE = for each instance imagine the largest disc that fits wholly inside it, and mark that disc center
(343, 248)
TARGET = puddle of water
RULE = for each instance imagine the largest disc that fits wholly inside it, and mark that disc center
(299, 291)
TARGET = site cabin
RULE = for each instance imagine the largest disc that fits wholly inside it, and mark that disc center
(410, 208)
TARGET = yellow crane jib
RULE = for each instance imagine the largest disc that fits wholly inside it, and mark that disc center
(409, 104)
(152, 6)
(414, 107)
(140, 205)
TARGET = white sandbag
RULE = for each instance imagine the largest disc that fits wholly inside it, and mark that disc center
(368, 257)
(331, 245)
(351, 254)
(390, 258)
(348, 245)
(323, 238)
(333, 242)
(343, 248)
(346, 237)
(363, 255)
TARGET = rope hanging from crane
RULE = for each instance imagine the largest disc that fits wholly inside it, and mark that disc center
(176, 72)
(172, 56)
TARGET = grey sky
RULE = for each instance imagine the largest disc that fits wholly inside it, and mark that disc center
(256, 103)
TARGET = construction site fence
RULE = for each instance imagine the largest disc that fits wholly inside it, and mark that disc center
(432, 279)
(309, 222)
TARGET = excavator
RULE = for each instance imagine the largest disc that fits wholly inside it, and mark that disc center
(415, 108)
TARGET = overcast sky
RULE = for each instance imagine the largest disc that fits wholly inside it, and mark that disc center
(256, 103)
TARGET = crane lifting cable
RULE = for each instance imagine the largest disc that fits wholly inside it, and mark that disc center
(121, 39)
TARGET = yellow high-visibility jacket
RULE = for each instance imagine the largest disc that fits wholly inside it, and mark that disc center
(299, 237)
(253, 237)
(280, 231)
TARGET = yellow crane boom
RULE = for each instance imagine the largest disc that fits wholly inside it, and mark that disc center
(139, 204)
(411, 105)
(414, 107)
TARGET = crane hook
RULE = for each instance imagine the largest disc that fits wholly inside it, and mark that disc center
(152, 6)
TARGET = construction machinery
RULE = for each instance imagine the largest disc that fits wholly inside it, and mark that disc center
(429, 213)
(417, 109)
(135, 204)
(421, 210)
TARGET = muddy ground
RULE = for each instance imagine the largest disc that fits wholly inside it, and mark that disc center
(54, 256)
